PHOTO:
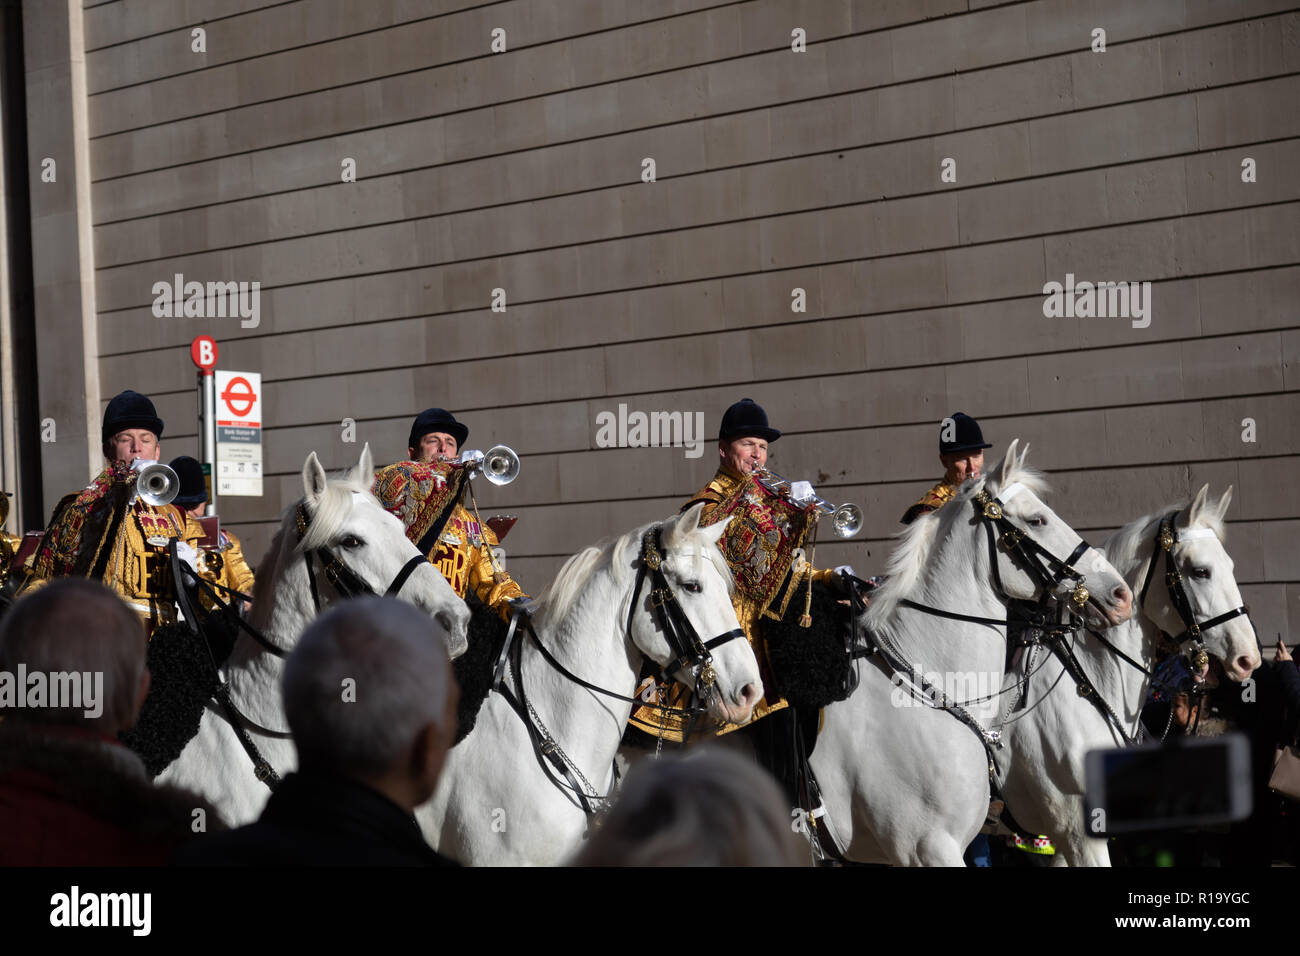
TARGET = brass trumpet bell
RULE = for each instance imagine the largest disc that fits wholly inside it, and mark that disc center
(846, 521)
(499, 465)
(155, 483)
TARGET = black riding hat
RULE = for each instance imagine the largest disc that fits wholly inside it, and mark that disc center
(193, 489)
(746, 418)
(436, 420)
(967, 434)
(130, 410)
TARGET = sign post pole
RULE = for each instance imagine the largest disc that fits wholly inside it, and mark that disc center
(203, 350)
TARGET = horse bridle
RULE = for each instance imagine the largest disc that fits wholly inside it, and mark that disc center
(345, 582)
(1047, 570)
(691, 653)
(344, 579)
(1166, 540)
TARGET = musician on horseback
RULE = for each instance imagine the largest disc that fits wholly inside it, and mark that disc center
(764, 547)
(108, 532)
(223, 563)
(961, 452)
(428, 501)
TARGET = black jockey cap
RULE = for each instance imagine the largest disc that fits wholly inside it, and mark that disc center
(130, 410)
(967, 435)
(436, 420)
(744, 419)
(194, 491)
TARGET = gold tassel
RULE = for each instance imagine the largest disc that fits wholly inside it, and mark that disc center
(806, 619)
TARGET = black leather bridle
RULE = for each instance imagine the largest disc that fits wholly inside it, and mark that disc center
(344, 579)
(1166, 541)
(1047, 570)
(690, 653)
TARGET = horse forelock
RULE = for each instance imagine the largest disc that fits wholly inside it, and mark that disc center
(329, 512)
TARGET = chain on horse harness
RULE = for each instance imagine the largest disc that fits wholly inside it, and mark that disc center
(690, 654)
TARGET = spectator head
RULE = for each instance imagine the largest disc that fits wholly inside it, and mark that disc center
(369, 694)
(88, 648)
(709, 808)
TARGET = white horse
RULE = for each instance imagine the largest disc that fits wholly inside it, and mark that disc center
(903, 782)
(497, 803)
(344, 521)
(1042, 764)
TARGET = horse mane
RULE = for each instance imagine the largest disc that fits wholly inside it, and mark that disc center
(612, 553)
(910, 558)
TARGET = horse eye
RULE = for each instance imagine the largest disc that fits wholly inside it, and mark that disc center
(1037, 521)
(693, 586)
(1202, 573)
(351, 542)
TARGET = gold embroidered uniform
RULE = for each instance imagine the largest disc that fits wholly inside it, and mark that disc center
(81, 538)
(932, 500)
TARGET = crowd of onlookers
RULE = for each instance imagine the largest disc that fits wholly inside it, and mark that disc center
(72, 794)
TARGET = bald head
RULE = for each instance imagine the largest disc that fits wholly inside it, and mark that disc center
(369, 693)
(76, 626)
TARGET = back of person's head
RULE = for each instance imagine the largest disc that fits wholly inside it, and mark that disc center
(84, 648)
(708, 808)
(368, 681)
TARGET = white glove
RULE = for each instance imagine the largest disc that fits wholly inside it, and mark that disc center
(801, 491)
(846, 569)
(185, 551)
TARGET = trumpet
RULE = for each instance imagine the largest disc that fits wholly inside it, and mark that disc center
(846, 519)
(499, 464)
(155, 483)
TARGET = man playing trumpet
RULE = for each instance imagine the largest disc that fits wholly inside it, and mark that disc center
(763, 546)
(108, 532)
(462, 549)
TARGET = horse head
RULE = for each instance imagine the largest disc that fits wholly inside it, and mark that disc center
(339, 521)
(1199, 557)
(698, 576)
(1014, 492)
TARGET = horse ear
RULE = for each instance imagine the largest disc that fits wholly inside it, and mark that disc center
(1009, 463)
(685, 523)
(715, 531)
(364, 473)
(1023, 455)
(1198, 505)
(1222, 506)
(313, 477)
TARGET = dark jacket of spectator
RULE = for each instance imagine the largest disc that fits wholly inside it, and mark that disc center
(317, 819)
(71, 798)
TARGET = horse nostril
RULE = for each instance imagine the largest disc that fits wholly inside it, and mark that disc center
(1245, 664)
(749, 695)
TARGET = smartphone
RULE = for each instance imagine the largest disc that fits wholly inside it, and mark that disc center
(1183, 782)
